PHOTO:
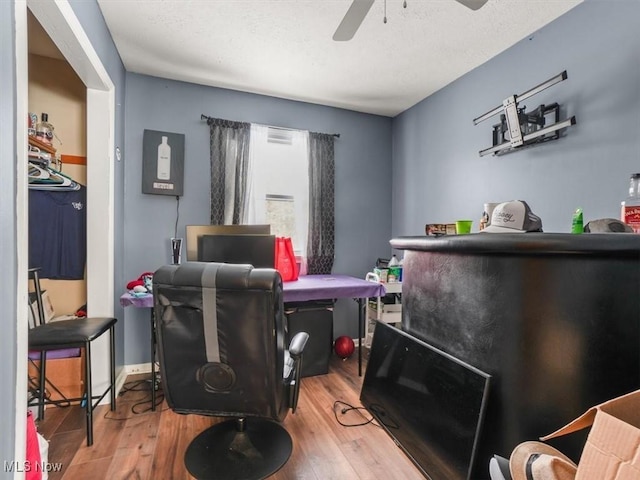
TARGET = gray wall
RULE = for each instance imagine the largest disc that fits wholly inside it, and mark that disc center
(438, 175)
(8, 245)
(363, 196)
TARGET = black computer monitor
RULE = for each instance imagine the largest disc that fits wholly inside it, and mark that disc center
(194, 232)
(429, 402)
(256, 250)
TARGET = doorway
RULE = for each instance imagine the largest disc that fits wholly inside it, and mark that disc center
(64, 29)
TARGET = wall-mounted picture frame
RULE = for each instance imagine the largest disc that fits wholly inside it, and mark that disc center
(162, 163)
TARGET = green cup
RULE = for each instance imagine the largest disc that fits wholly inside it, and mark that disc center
(463, 226)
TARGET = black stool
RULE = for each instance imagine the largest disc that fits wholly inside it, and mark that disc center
(75, 333)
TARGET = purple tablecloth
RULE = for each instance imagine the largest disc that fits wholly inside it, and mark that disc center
(323, 287)
(144, 301)
(307, 287)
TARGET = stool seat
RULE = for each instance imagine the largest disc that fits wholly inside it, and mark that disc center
(68, 333)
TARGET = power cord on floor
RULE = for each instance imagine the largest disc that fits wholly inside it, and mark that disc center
(159, 400)
(344, 408)
(133, 386)
(142, 385)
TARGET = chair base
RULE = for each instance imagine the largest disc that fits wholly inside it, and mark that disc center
(233, 450)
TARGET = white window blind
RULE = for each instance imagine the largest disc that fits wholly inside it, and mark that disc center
(279, 183)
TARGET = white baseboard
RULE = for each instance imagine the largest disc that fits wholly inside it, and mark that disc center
(138, 368)
(123, 373)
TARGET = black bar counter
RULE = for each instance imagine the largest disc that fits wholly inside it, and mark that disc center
(554, 318)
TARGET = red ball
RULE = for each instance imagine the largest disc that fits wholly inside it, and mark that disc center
(344, 347)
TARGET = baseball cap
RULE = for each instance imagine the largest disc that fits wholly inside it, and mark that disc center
(607, 225)
(514, 217)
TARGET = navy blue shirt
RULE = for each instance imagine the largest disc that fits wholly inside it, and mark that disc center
(58, 233)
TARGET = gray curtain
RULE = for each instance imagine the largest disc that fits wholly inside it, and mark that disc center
(321, 242)
(229, 158)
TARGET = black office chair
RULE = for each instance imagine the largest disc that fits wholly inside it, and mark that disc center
(221, 346)
(75, 333)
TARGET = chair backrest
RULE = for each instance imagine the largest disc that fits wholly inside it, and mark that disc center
(37, 312)
(221, 339)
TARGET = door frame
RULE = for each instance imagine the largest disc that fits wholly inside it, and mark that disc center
(61, 24)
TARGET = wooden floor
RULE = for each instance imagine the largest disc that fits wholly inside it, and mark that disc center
(136, 443)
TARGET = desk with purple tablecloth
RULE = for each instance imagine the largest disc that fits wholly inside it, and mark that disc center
(307, 287)
(145, 301)
(140, 301)
(325, 287)
(322, 287)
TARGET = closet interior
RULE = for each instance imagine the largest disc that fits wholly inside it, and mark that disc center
(57, 201)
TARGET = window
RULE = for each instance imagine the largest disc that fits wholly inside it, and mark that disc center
(279, 183)
(282, 163)
(281, 215)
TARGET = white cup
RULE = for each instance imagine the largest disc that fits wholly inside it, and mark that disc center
(488, 211)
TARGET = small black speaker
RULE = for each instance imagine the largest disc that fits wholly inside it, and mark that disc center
(315, 318)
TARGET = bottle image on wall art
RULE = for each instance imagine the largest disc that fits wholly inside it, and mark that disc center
(164, 160)
(162, 163)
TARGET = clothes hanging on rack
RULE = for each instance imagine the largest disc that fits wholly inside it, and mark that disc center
(43, 177)
(58, 232)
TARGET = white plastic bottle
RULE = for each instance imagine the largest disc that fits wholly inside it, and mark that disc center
(164, 160)
(630, 213)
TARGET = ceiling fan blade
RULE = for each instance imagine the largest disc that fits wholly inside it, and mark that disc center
(472, 4)
(352, 20)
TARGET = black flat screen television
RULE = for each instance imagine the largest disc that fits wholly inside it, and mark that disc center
(429, 402)
(256, 250)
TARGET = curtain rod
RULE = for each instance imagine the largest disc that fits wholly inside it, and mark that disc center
(205, 117)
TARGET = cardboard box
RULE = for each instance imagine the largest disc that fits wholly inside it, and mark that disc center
(65, 374)
(394, 275)
(612, 450)
(382, 274)
(437, 229)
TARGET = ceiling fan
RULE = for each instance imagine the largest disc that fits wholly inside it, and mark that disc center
(359, 9)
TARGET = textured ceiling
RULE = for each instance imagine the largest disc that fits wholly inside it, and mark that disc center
(284, 48)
